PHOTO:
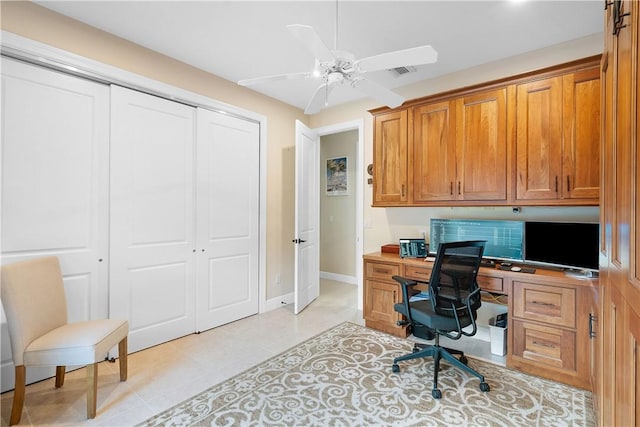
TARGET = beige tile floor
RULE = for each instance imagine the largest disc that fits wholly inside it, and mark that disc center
(167, 374)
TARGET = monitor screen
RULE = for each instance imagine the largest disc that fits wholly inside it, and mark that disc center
(564, 244)
(504, 239)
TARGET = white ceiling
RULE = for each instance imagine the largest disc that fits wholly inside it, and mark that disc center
(239, 40)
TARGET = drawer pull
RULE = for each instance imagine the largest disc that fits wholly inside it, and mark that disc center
(545, 304)
(544, 344)
(381, 271)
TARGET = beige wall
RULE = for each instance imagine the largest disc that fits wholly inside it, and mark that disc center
(387, 225)
(337, 213)
(40, 24)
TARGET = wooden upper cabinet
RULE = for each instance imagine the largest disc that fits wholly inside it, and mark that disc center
(558, 137)
(434, 152)
(390, 159)
(529, 140)
(459, 149)
(481, 146)
(581, 115)
(539, 139)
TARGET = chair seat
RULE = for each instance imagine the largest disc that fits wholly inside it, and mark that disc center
(80, 343)
(422, 312)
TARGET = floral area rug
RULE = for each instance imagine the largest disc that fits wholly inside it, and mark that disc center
(343, 377)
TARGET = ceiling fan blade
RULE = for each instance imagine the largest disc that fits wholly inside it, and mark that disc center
(319, 98)
(277, 77)
(399, 58)
(310, 39)
(379, 93)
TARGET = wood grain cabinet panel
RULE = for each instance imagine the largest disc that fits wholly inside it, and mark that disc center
(381, 292)
(539, 138)
(551, 304)
(434, 152)
(581, 128)
(551, 329)
(390, 156)
(545, 345)
(532, 139)
(558, 137)
(481, 146)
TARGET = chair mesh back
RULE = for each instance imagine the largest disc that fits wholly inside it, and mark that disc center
(453, 277)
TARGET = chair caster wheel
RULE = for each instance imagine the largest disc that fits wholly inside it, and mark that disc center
(395, 367)
(415, 349)
(464, 360)
(484, 387)
(437, 394)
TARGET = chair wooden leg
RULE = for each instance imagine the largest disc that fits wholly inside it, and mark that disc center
(92, 389)
(60, 376)
(18, 395)
(122, 354)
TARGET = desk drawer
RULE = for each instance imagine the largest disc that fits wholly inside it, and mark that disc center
(490, 284)
(380, 271)
(417, 273)
(544, 345)
(549, 304)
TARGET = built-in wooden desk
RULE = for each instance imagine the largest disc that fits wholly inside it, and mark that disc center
(550, 313)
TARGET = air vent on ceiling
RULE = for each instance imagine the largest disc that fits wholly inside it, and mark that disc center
(399, 71)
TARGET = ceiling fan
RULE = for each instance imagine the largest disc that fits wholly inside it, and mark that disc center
(336, 67)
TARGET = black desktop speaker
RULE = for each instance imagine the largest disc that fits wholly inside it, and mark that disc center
(413, 248)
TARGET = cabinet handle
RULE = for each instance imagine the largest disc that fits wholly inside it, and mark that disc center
(544, 344)
(381, 271)
(556, 183)
(568, 184)
(402, 191)
(592, 318)
(451, 188)
(545, 304)
(459, 188)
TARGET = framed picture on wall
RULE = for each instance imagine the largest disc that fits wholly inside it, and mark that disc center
(337, 176)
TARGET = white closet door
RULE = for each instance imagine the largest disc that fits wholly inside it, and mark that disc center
(152, 248)
(228, 152)
(55, 148)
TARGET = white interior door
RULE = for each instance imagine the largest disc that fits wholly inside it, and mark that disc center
(228, 171)
(54, 192)
(307, 217)
(152, 245)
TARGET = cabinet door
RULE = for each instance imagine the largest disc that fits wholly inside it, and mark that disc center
(581, 146)
(390, 159)
(379, 301)
(433, 152)
(539, 139)
(481, 146)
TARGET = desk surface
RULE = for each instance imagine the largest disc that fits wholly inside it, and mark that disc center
(548, 275)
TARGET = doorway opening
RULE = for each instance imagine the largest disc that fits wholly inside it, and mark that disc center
(341, 204)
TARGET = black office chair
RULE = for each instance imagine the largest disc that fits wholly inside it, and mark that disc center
(454, 298)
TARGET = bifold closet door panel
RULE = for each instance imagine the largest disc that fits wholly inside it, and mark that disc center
(54, 185)
(152, 261)
(228, 165)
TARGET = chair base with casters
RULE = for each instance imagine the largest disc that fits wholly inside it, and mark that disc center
(454, 298)
(437, 353)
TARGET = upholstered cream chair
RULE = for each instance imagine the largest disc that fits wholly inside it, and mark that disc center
(34, 300)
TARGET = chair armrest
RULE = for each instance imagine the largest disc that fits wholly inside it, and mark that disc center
(404, 286)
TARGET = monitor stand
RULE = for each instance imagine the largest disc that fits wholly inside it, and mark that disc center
(580, 274)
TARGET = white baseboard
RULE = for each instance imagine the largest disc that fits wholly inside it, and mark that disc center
(339, 277)
(278, 302)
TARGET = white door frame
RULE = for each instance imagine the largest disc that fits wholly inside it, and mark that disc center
(39, 53)
(343, 127)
